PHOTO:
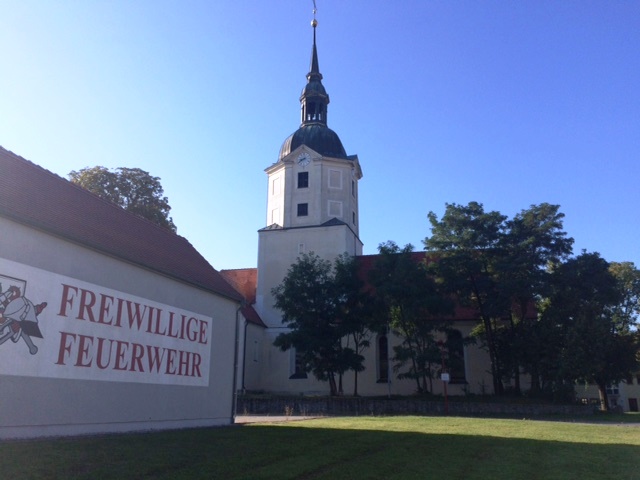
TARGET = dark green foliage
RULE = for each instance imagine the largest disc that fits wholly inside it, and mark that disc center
(409, 303)
(498, 266)
(468, 244)
(533, 240)
(322, 306)
(130, 188)
(595, 340)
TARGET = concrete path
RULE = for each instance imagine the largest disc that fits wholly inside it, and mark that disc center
(243, 419)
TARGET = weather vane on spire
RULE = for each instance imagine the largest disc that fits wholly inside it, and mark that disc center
(314, 22)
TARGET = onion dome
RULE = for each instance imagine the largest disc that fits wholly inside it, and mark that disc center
(313, 131)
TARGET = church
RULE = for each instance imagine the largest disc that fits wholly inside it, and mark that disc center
(109, 323)
(312, 206)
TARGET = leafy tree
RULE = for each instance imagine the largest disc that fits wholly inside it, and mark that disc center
(627, 312)
(532, 240)
(130, 188)
(410, 304)
(598, 345)
(355, 310)
(319, 312)
(468, 243)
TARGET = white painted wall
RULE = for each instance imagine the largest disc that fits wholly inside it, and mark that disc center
(37, 406)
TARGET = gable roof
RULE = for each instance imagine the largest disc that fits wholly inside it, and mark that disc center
(35, 197)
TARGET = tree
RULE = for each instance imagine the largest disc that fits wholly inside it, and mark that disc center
(410, 304)
(468, 243)
(314, 307)
(355, 310)
(533, 240)
(598, 345)
(130, 188)
(627, 312)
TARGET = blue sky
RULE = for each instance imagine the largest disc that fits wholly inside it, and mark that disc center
(505, 103)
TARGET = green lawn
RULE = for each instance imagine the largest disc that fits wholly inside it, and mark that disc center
(343, 448)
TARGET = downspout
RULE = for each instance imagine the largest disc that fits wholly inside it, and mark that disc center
(236, 354)
(244, 360)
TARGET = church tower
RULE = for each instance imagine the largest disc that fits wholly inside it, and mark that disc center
(312, 200)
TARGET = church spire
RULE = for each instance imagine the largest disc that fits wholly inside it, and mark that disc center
(314, 98)
(314, 69)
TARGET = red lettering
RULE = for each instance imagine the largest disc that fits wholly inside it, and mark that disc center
(154, 358)
(159, 322)
(135, 315)
(121, 350)
(83, 351)
(197, 360)
(87, 301)
(66, 300)
(170, 332)
(192, 333)
(183, 362)
(104, 309)
(183, 319)
(65, 346)
(119, 314)
(99, 362)
(203, 332)
(171, 357)
(149, 318)
(136, 357)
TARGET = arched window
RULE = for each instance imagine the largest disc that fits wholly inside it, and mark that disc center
(383, 358)
(297, 367)
(455, 362)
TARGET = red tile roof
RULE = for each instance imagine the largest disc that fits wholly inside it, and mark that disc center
(244, 280)
(33, 196)
(366, 264)
(461, 312)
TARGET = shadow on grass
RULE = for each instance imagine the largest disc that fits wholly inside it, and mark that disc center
(290, 452)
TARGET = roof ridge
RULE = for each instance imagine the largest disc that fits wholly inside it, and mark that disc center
(87, 192)
(43, 200)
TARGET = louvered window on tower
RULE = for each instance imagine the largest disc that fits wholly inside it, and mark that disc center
(303, 179)
(303, 209)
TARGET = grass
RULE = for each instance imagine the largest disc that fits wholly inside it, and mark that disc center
(344, 448)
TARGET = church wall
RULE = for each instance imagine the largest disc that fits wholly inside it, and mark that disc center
(277, 369)
(253, 359)
(60, 389)
(278, 249)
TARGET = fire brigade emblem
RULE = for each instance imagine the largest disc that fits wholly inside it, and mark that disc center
(18, 314)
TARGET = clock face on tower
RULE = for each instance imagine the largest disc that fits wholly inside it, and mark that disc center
(304, 159)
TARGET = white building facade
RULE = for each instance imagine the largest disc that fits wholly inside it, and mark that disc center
(108, 323)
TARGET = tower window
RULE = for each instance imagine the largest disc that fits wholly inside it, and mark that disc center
(303, 209)
(303, 179)
(353, 219)
(353, 188)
